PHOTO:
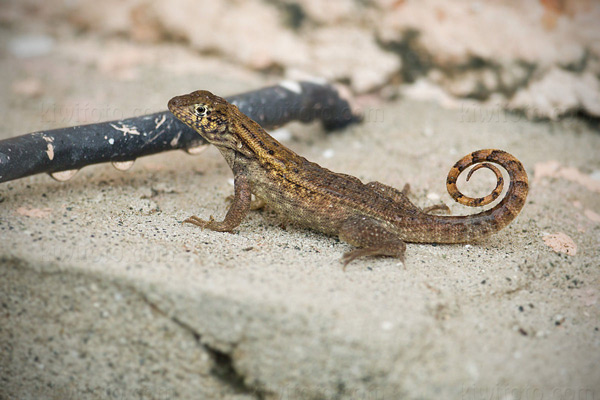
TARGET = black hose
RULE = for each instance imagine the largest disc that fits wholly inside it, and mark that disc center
(69, 149)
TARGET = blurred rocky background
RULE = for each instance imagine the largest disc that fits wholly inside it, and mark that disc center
(537, 57)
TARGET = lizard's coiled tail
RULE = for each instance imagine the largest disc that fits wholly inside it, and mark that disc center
(460, 229)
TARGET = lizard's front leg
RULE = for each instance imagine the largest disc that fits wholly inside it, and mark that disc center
(237, 210)
(371, 238)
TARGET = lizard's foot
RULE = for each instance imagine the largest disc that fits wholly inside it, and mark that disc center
(396, 249)
(372, 239)
(391, 192)
(217, 226)
(438, 207)
(397, 196)
(199, 222)
(236, 213)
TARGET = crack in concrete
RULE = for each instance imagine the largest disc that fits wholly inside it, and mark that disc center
(223, 366)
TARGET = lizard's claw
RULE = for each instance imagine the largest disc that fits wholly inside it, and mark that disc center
(350, 256)
(406, 189)
(210, 223)
(194, 220)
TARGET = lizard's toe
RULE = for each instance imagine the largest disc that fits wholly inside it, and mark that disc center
(194, 220)
(438, 207)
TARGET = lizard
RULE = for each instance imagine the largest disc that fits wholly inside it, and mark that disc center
(375, 218)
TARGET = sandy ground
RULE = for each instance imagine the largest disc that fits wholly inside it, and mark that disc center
(104, 294)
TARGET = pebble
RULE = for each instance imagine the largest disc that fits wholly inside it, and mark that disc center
(433, 196)
(329, 153)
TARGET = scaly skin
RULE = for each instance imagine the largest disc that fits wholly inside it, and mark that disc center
(376, 218)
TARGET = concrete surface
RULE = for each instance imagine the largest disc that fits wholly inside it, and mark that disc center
(104, 294)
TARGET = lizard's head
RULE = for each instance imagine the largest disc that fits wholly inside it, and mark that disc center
(206, 113)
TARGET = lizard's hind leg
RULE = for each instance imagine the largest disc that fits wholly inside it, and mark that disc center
(371, 238)
(437, 207)
(401, 197)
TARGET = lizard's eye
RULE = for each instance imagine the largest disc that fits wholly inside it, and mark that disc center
(201, 111)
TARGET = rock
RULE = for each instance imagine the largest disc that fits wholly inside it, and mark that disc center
(108, 17)
(331, 12)
(238, 37)
(453, 33)
(557, 93)
(350, 53)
